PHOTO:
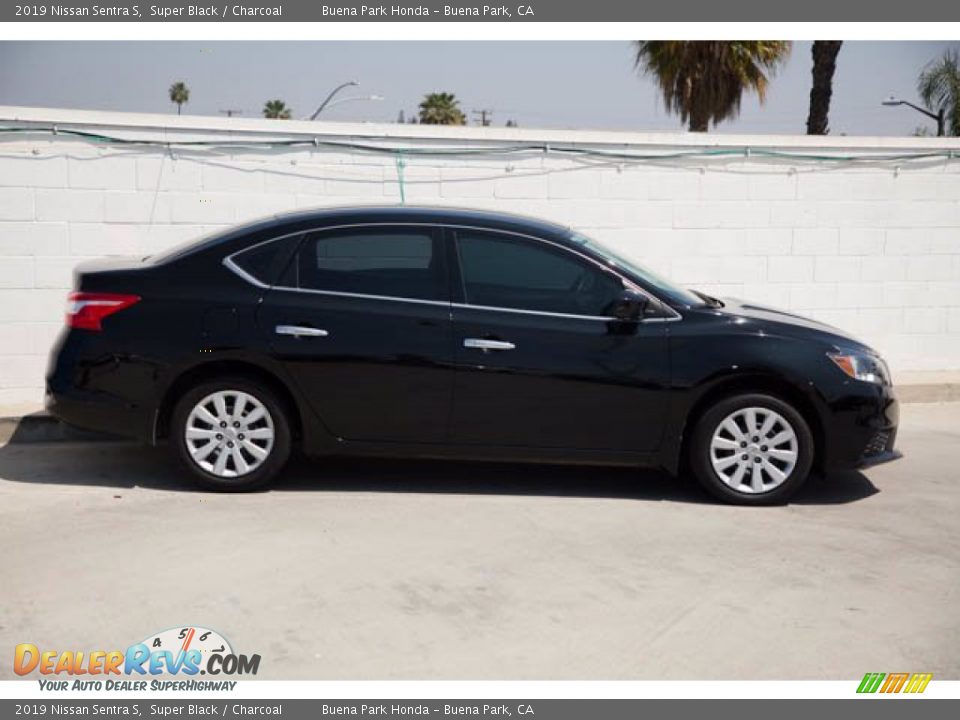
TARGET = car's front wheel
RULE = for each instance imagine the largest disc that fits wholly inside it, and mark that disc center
(230, 434)
(752, 449)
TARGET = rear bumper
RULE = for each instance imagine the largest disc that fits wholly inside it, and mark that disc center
(99, 412)
(83, 390)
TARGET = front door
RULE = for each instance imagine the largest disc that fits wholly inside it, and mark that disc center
(362, 323)
(539, 361)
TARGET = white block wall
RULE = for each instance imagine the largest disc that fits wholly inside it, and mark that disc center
(871, 247)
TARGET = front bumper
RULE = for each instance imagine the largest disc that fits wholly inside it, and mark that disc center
(880, 459)
(861, 428)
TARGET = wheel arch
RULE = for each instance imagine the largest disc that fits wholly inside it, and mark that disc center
(219, 368)
(743, 383)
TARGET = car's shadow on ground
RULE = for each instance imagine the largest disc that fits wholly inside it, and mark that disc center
(125, 465)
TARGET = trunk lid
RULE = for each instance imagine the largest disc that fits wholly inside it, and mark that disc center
(108, 274)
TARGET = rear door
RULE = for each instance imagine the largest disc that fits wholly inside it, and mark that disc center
(540, 363)
(361, 320)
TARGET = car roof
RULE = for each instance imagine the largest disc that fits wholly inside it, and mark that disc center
(422, 214)
(234, 238)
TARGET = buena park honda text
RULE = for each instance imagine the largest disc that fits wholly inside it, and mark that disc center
(437, 332)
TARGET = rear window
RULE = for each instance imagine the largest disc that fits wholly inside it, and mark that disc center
(203, 242)
(186, 247)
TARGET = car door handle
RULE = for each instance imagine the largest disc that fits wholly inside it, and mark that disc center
(300, 331)
(483, 344)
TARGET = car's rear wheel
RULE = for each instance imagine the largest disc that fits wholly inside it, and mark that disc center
(752, 449)
(230, 434)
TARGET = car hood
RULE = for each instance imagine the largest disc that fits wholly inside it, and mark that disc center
(787, 323)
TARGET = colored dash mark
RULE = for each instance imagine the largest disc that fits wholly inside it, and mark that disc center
(870, 682)
(918, 682)
(894, 682)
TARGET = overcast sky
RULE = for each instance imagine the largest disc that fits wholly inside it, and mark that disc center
(535, 83)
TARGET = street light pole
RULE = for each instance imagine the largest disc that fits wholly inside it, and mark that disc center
(940, 117)
(340, 101)
(333, 92)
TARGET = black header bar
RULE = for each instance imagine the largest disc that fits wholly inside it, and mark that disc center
(467, 11)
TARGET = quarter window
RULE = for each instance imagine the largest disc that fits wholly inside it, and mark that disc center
(264, 262)
(396, 263)
(526, 274)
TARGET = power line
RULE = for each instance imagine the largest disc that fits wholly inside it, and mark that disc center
(491, 150)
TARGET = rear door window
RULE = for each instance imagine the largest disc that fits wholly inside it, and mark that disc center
(394, 262)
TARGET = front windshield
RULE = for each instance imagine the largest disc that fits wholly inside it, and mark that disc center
(665, 288)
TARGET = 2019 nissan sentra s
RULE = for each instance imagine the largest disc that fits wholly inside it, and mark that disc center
(436, 332)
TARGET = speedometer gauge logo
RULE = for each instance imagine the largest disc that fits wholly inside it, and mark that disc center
(182, 640)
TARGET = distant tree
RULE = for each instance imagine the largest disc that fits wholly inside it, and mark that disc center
(179, 94)
(276, 110)
(704, 81)
(939, 89)
(441, 109)
(401, 118)
(824, 64)
(511, 123)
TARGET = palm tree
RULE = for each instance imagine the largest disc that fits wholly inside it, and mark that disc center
(441, 109)
(939, 88)
(704, 81)
(276, 110)
(824, 64)
(179, 94)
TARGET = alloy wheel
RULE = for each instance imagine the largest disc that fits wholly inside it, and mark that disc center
(754, 450)
(229, 433)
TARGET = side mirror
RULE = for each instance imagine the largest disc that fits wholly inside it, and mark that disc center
(630, 306)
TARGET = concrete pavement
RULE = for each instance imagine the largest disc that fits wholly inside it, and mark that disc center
(417, 570)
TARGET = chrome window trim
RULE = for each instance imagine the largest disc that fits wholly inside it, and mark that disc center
(547, 313)
(229, 263)
(364, 296)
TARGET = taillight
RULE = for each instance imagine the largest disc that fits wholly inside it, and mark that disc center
(86, 310)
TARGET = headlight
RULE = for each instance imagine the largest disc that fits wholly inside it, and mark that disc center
(860, 366)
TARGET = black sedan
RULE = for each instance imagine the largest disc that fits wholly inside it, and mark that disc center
(437, 332)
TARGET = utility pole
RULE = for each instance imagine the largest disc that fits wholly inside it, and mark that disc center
(230, 112)
(486, 116)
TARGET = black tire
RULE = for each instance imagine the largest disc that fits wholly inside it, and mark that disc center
(262, 474)
(699, 451)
